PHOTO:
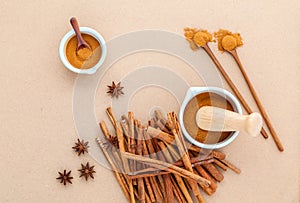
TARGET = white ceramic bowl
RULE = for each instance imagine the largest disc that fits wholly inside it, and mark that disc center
(64, 42)
(191, 93)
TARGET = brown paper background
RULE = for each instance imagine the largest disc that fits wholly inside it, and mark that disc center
(37, 129)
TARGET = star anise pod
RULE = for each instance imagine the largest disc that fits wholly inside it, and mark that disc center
(115, 90)
(81, 147)
(87, 171)
(65, 177)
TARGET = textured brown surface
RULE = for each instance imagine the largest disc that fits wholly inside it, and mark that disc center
(37, 128)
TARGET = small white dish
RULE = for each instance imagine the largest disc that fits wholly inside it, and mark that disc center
(64, 42)
(191, 93)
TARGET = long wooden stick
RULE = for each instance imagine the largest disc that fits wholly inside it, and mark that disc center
(231, 166)
(231, 84)
(114, 167)
(166, 166)
(183, 153)
(166, 177)
(153, 180)
(179, 180)
(139, 151)
(257, 100)
(124, 160)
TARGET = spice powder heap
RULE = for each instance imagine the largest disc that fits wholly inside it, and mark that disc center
(197, 38)
(83, 58)
(228, 41)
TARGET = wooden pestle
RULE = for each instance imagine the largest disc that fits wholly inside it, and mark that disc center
(217, 119)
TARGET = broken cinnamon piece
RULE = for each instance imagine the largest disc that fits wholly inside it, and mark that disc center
(231, 166)
(208, 190)
(206, 175)
(216, 174)
(219, 155)
(158, 134)
(111, 116)
(105, 130)
(220, 164)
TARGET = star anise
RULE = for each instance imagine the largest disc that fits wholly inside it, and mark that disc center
(81, 147)
(87, 171)
(115, 90)
(65, 177)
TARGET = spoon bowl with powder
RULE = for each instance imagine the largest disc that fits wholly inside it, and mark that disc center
(83, 50)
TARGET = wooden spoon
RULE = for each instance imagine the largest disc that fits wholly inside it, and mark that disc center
(217, 119)
(257, 100)
(81, 42)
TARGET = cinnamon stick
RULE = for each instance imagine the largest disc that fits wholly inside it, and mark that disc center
(177, 177)
(166, 166)
(149, 189)
(166, 177)
(183, 153)
(220, 164)
(214, 172)
(115, 170)
(231, 166)
(139, 151)
(158, 134)
(218, 155)
(111, 116)
(149, 172)
(121, 142)
(145, 175)
(205, 175)
(146, 151)
(105, 130)
(208, 190)
(177, 192)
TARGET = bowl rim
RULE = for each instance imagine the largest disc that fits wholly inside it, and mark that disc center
(65, 40)
(191, 93)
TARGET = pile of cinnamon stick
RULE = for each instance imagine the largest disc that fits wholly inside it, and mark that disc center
(153, 164)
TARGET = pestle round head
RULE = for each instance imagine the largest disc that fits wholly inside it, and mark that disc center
(254, 124)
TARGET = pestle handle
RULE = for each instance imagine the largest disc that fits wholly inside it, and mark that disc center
(217, 119)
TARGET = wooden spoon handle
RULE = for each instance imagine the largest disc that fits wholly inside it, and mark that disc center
(217, 119)
(257, 100)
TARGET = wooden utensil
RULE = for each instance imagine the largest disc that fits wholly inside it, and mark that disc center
(81, 42)
(231, 84)
(217, 119)
(257, 100)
